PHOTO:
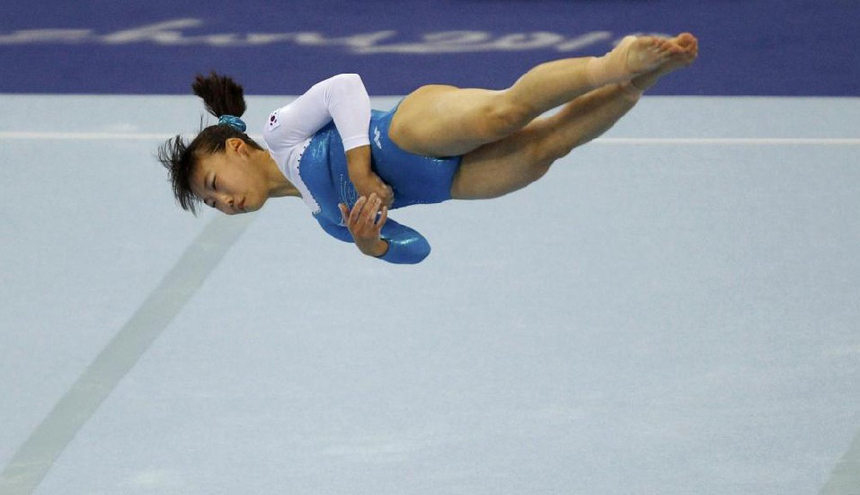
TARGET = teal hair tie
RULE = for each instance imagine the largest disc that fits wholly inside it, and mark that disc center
(232, 121)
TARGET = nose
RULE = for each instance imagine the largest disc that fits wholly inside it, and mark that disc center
(233, 205)
(225, 200)
(226, 204)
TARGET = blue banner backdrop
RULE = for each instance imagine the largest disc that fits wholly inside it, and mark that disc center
(757, 47)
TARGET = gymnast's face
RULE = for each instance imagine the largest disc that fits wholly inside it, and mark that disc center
(229, 180)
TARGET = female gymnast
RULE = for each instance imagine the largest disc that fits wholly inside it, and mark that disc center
(351, 164)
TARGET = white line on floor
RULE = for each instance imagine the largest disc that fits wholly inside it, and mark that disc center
(127, 136)
(34, 458)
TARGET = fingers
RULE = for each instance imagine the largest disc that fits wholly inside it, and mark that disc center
(356, 210)
(375, 184)
(389, 195)
(371, 209)
(364, 214)
(382, 219)
(384, 192)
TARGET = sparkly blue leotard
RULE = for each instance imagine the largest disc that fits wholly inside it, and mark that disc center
(415, 179)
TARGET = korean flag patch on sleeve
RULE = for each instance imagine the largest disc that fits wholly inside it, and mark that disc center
(273, 121)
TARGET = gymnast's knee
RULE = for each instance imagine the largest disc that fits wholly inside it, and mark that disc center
(549, 150)
(539, 169)
(503, 117)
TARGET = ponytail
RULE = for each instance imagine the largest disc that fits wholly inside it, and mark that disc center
(221, 94)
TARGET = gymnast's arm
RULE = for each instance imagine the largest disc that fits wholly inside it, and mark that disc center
(399, 243)
(381, 238)
(405, 245)
(344, 99)
(341, 98)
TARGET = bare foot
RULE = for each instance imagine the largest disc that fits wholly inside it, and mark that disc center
(636, 56)
(685, 49)
(647, 52)
(689, 50)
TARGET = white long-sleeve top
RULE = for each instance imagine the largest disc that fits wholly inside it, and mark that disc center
(342, 98)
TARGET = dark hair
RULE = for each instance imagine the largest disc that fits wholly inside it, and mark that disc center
(222, 96)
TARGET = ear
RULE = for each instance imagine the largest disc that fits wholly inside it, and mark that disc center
(237, 145)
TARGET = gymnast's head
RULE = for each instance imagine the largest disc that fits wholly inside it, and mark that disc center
(219, 167)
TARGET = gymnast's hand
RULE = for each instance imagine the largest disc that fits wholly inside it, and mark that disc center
(365, 223)
(369, 184)
(361, 175)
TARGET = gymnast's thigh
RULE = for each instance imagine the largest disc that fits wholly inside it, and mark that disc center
(438, 120)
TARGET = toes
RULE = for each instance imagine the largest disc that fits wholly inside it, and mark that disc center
(683, 44)
(685, 39)
(687, 42)
(660, 45)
